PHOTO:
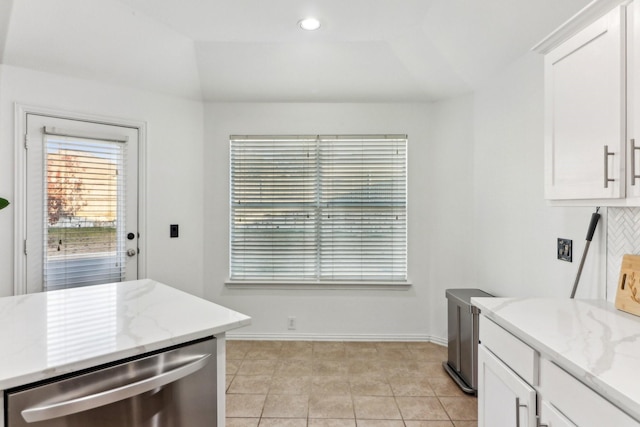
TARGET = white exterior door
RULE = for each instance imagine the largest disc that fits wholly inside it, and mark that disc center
(504, 399)
(585, 113)
(81, 203)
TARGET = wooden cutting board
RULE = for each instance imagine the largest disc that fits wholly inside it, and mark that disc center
(628, 293)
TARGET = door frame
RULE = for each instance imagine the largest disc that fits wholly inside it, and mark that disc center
(20, 183)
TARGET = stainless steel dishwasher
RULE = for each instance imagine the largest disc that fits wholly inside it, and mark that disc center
(171, 388)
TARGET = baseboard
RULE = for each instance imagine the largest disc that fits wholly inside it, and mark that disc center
(336, 337)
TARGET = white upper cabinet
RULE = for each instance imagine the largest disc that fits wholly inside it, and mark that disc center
(584, 113)
(589, 94)
(584, 85)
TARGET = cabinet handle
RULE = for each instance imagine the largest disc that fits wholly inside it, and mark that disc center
(607, 180)
(518, 406)
(634, 176)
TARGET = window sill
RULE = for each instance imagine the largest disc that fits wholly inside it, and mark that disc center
(378, 286)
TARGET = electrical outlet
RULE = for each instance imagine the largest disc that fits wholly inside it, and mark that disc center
(291, 323)
(565, 250)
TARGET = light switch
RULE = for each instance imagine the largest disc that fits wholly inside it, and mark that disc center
(565, 250)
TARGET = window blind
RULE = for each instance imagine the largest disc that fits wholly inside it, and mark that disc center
(84, 215)
(363, 199)
(318, 208)
(274, 215)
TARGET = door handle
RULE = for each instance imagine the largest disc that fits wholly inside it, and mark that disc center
(92, 401)
(131, 252)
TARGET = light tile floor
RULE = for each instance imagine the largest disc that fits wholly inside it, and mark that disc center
(343, 384)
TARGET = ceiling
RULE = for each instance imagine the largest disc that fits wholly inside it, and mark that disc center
(253, 50)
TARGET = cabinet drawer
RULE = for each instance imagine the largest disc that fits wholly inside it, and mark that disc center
(551, 417)
(514, 353)
(583, 406)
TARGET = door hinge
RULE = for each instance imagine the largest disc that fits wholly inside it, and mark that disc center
(25, 246)
(26, 141)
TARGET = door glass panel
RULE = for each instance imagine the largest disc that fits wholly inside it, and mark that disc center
(84, 219)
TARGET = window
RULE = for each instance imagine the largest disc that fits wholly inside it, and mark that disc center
(319, 208)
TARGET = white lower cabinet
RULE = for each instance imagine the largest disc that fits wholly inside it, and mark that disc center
(578, 403)
(504, 399)
(519, 387)
(551, 417)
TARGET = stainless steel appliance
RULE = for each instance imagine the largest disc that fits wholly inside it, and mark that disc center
(462, 364)
(175, 387)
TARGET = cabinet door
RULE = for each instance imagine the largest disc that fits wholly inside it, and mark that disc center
(550, 417)
(585, 113)
(504, 399)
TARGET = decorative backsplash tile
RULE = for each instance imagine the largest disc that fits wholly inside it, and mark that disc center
(623, 237)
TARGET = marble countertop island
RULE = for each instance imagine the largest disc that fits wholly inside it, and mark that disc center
(48, 334)
(588, 338)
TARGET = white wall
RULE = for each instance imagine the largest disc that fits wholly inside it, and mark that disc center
(174, 165)
(515, 229)
(439, 219)
(451, 260)
(477, 217)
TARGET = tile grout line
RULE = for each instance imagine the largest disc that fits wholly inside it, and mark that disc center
(345, 359)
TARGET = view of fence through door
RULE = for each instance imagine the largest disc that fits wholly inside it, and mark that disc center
(81, 203)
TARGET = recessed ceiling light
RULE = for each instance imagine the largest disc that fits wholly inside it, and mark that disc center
(309, 24)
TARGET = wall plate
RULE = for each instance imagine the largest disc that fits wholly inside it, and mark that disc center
(565, 249)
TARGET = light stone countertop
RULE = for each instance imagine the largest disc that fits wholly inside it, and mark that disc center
(47, 334)
(590, 339)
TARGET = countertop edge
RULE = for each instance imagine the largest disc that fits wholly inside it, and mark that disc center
(119, 355)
